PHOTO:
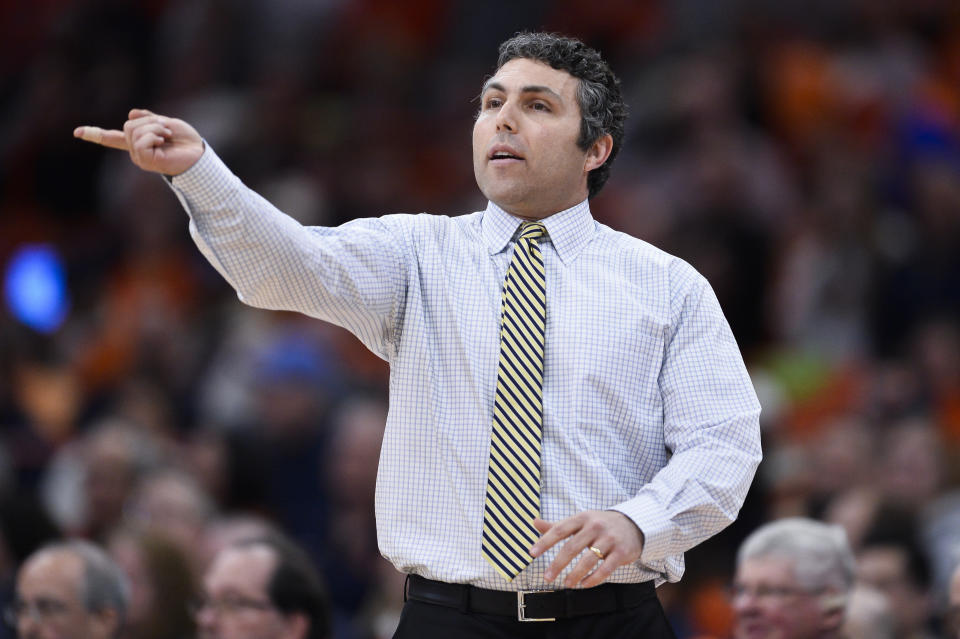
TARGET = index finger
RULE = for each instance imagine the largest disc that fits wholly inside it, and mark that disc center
(557, 532)
(104, 137)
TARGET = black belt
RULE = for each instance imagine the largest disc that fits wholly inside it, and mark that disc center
(530, 605)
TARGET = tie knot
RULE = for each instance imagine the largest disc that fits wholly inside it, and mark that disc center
(532, 231)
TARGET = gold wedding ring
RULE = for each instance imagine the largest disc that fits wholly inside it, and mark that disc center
(597, 552)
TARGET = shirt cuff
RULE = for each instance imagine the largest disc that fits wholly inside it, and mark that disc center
(206, 184)
(655, 524)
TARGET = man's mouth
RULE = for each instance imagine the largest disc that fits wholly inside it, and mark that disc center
(504, 155)
(755, 629)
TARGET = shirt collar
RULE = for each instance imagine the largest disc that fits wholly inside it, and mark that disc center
(569, 230)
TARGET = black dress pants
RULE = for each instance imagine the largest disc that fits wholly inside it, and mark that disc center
(421, 620)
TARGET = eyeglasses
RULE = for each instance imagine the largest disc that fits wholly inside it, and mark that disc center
(770, 593)
(41, 610)
(227, 605)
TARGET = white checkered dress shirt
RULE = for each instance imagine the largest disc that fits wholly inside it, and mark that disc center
(648, 408)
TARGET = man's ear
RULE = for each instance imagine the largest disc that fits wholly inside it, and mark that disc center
(105, 623)
(296, 625)
(598, 152)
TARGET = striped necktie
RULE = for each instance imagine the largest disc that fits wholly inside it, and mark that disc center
(513, 479)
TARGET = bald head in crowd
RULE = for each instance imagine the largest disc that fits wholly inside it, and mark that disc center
(69, 590)
(793, 580)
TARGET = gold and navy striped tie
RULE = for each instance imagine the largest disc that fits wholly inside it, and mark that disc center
(513, 479)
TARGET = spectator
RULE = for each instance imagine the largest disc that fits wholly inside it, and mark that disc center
(170, 504)
(69, 590)
(792, 581)
(891, 561)
(90, 480)
(161, 585)
(263, 587)
(24, 527)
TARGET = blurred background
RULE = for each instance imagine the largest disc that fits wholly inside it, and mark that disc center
(803, 155)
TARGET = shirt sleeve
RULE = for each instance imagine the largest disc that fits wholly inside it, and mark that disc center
(352, 275)
(711, 427)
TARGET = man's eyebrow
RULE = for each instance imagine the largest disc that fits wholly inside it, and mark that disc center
(530, 88)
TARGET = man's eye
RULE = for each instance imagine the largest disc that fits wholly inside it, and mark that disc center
(492, 103)
(539, 106)
(45, 607)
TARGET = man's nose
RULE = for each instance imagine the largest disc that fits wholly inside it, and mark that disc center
(506, 118)
(744, 602)
(27, 627)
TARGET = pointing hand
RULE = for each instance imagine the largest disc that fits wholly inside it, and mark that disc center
(155, 142)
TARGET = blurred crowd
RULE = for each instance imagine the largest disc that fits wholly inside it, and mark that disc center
(803, 155)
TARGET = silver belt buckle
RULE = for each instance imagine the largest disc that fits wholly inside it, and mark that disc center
(522, 606)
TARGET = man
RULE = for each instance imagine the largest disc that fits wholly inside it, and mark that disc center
(69, 590)
(792, 581)
(262, 588)
(953, 605)
(568, 405)
(891, 561)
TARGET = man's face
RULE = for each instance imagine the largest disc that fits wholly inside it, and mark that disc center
(529, 114)
(49, 600)
(237, 605)
(885, 568)
(769, 603)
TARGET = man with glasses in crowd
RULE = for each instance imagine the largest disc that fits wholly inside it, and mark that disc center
(69, 590)
(259, 588)
(793, 580)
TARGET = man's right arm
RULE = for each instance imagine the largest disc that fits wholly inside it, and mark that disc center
(352, 276)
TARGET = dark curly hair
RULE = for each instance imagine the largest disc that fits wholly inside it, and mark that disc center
(602, 109)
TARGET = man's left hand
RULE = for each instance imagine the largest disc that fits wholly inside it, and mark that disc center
(612, 533)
